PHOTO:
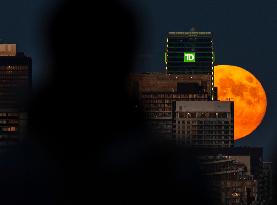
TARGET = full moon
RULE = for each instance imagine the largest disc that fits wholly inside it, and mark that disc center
(237, 84)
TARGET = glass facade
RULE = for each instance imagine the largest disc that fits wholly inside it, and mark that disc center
(199, 44)
(190, 53)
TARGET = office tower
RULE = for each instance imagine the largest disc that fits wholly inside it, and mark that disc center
(190, 53)
(159, 94)
(204, 123)
(184, 80)
(15, 76)
(15, 89)
(156, 93)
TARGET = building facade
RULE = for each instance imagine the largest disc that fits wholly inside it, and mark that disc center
(169, 83)
(230, 179)
(204, 123)
(181, 106)
(157, 92)
(190, 53)
(198, 44)
(252, 158)
(15, 90)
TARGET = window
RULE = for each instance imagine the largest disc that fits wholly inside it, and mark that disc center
(9, 129)
(13, 114)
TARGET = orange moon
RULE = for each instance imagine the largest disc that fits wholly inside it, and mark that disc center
(237, 84)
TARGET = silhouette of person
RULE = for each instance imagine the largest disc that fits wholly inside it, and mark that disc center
(87, 142)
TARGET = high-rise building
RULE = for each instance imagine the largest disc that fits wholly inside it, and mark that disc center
(159, 94)
(158, 91)
(15, 76)
(181, 106)
(204, 123)
(190, 53)
(15, 88)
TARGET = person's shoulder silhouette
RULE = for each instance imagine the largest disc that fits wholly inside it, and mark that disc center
(87, 123)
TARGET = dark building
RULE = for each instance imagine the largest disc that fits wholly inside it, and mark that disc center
(230, 179)
(173, 83)
(253, 157)
(202, 122)
(15, 90)
(266, 182)
(15, 76)
(13, 124)
(157, 92)
(190, 53)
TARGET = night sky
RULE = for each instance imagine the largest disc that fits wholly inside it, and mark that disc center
(245, 34)
(22, 22)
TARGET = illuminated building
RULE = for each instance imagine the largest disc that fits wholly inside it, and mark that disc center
(190, 53)
(200, 44)
(12, 126)
(15, 89)
(204, 123)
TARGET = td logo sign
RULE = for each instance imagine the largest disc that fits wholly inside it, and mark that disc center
(189, 57)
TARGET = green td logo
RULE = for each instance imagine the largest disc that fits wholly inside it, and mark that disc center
(189, 57)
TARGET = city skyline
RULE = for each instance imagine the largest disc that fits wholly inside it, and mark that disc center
(238, 41)
(53, 164)
(238, 31)
(182, 106)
